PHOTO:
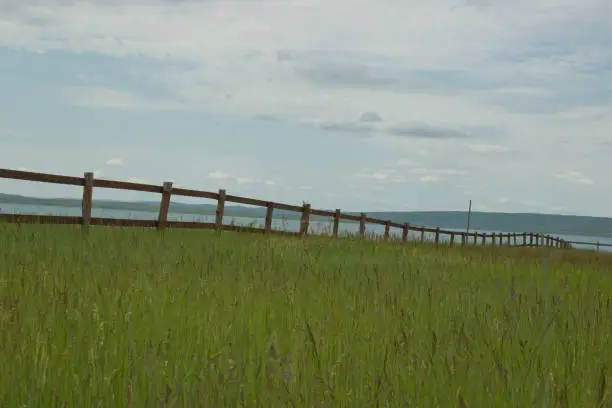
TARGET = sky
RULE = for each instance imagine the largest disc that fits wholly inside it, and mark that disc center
(361, 105)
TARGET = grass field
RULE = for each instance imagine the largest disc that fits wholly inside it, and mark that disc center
(137, 318)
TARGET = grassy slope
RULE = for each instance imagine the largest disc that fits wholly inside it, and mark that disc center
(195, 318)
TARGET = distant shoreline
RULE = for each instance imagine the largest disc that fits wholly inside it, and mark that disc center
(574, 225)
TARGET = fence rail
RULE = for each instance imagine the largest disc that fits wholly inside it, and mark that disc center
(167, 191)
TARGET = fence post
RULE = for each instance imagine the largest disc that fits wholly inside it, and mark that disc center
(514, 239)
(164, 206)
(437, 238)
(269, 215)
(452, 238)
(501, 238)
(597, 247)
(220, 209)
(484, 239)
(305, 220)
(87, 202)
(405, 230)
(475, 238)
(387, 231)
(493, 237)
(422, 234)
(336, 223)
(524, 239)
(508, 239)
(531, 239)
(362, 225)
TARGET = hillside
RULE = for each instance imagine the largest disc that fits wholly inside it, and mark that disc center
(511, 222)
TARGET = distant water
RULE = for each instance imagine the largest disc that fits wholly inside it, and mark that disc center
(283, 224)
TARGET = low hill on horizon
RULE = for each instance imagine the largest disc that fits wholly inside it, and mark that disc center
(487, 221)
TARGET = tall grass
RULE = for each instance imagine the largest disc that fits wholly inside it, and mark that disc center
(136, 318)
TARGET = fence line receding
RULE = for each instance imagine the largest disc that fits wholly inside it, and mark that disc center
(88, 182)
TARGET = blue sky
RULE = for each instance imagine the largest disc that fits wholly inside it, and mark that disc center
(360, 104)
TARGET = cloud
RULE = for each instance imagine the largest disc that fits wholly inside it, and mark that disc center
(575, 177)
(266, 118)
(370, 117)
(373, 176)
(489, 148)
(479, 92)
(427, 132)
(430, 178)
(347, 127)
(219, 175)
(101, 97)
(114, 162)
(227, 177)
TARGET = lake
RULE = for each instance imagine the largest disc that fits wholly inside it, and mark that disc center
(277, 223)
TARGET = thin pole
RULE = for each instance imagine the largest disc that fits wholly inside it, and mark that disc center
(467, 231)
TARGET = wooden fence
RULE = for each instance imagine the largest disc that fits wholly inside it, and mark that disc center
(167, 190)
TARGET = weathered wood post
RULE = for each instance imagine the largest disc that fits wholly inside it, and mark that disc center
(437, 238)
(452, 238)
(269, 215)
(87, 202)
(164, 206)
(387, 231)
(336, 223)
(220, 209)
(362, 225)
(405, 232)
(305, 220)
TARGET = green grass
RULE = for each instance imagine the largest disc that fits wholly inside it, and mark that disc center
(137, 318)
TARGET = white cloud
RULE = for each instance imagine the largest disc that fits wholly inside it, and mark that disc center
(137, 180)
(244, 180)
(219, 175)
(373, 176)
(575, 177)
(431, 178)
(114, 162)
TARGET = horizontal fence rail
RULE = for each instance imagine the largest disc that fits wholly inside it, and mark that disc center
(167, 191)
